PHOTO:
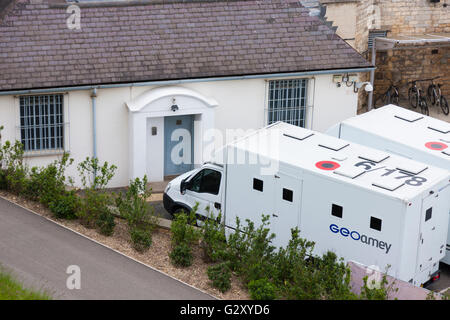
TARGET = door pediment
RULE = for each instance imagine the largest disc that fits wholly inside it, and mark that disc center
(161, 99)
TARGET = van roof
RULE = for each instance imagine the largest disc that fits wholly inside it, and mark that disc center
(341, 160)
(407, 127)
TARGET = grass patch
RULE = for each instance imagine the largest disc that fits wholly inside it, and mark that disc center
(11, 289)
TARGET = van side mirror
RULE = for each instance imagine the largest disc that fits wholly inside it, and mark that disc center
(183, 186)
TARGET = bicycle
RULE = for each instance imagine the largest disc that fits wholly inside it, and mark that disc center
(391, 96)
(416, 98)
(435, 96)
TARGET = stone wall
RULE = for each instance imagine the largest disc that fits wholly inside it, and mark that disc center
(402, 66)
(403, 17)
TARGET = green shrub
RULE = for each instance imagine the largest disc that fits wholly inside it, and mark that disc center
(141, 239)
(380, 291)
(95, 176)
(298, 274)
(16, 179)
(47, 183)
(184, 236)
(11, 163)
(139, 215)
(181, 255)
(262, 289)
(3, 182)
(184, 230)
(65, 205)
(95, 204)
(250, 252)
(220, 276)
(92, 205)
(105, 223)
(213, 240)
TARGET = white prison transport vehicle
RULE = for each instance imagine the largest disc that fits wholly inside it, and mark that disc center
(404, 132)
(365, 205)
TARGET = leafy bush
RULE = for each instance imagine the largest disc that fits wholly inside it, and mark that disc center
(213, 240)
(184, 236)
(105, 222)
(95, 205)
(181, 255)
(140, 216)
(3, 182)
(183, 228)
(250, 252)
(14, 170)
(47, 183)
(141, 239)
(65, 205)
(262, 289)
(92, 205)
(380, 291)
(220, 276)
(298, 274)
(95, 176)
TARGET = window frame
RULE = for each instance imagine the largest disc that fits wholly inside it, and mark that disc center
(65, 125)
(201, 182)
(306, 109)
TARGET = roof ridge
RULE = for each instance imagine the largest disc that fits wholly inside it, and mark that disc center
(128, 3)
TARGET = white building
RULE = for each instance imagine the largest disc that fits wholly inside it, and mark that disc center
(119, 84)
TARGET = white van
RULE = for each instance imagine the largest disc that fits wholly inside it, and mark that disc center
(404, 132)
(366, 205)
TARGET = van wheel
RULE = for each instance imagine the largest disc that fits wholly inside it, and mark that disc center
(178, 211)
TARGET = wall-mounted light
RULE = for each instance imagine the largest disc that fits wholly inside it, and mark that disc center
(174, 107)
(359, 85)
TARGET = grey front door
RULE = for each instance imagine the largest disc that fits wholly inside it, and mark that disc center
(178, 144)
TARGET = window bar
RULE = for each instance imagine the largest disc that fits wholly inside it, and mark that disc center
(54, 122)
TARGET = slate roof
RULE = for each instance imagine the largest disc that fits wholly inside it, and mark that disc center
(163, 40)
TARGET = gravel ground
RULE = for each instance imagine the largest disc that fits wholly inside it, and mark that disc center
(157, 256)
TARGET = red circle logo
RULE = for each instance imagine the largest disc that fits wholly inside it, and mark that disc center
(436, 146)
(327, 165)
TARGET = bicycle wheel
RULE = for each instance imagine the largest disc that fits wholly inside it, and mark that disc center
(413, 97)
(444, 105)
(424, 106)
(387, 98)
(395, 99)
(431, 94)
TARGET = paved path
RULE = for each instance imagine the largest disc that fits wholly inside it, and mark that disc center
(39, 251)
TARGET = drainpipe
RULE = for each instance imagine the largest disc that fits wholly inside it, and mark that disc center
(94, 126)
(372, 74)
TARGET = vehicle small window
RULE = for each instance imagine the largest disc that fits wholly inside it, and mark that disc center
(288, 195)
(336, 210)
(375, 223)
(428, 214)
(258, 184)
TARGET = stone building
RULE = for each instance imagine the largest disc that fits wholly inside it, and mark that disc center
(359, 21)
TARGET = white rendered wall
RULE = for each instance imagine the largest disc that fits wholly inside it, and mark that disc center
(241, 105)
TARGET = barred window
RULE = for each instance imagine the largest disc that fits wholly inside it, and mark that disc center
(42, 122)
(287, 101)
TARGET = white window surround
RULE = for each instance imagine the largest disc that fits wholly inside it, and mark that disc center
(146, 153)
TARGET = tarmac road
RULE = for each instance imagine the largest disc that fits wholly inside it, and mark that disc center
(39, 252)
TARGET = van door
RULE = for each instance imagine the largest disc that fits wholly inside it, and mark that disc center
(429, 241)
(288, 192)
(205, 188)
